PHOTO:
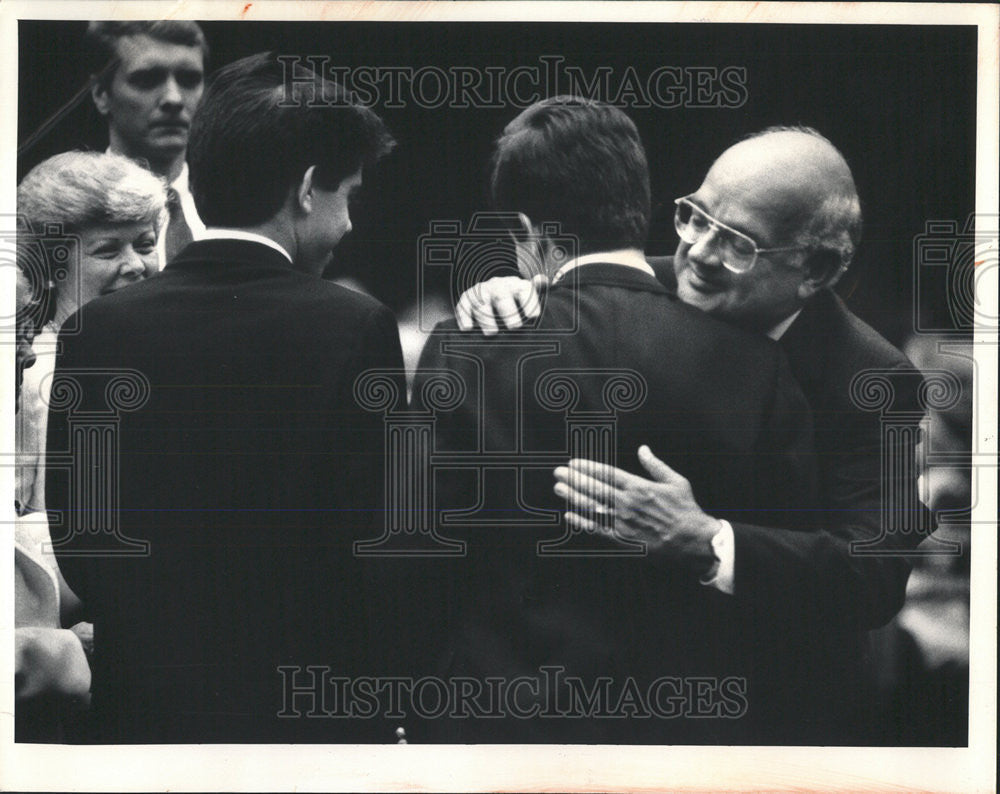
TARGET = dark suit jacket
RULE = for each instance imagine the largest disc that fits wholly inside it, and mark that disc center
(249, 470)
(812, 583)
(720, 406)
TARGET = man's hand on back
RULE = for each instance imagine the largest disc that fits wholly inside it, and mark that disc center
(510, 299)
(662, 512)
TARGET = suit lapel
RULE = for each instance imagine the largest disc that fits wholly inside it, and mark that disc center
(805, 344)
(611, 275)
(663, 266)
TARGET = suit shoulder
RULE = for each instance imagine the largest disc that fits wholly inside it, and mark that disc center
(851, 339)
(105, 310)
(358, 303)
(432, 351)
(725, 341)
(648, 310)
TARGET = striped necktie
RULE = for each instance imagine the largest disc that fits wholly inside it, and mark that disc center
(178, 231)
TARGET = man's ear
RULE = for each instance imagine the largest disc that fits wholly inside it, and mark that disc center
(304, 193)
(529, 247)
(823, 268)
(522, 231)
(99, 93)
(524, 222)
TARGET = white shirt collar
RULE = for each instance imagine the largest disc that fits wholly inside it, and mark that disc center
(181, 183)
(239, 234)
(629, 257)
(779, 330)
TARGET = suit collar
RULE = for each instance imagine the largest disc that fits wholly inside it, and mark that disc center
(628, 257)
(610, 275)
(230, 253)
(240, 234)
(663, 267)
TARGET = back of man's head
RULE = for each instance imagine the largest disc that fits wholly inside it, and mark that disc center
(579, 163)
(261, 125)
(101, 41)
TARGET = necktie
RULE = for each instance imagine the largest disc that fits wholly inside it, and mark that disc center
(178, 232)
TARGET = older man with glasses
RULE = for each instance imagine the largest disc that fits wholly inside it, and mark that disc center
(771, 229)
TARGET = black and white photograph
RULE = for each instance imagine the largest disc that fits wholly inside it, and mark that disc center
(574, 396)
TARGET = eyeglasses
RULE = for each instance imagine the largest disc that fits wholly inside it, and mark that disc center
(737, 251)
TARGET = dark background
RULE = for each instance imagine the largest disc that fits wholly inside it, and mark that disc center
(899, 101)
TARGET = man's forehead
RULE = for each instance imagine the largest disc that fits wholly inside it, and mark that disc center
(762, 189)
(141, 51)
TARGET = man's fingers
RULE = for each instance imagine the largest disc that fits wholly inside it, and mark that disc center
(603, 492)
(473, 309)
(483, 316)
(659, 470)
(463, 312)
(500, 296)
(507, 311)
(605, 473)
(580, 501)
(584, 524)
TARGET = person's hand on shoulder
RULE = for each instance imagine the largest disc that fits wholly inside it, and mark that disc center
(510, 299)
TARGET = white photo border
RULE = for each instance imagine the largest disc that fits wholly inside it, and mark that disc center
(503, 768)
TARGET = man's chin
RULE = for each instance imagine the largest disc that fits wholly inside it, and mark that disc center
(706, 300)
(162, 144)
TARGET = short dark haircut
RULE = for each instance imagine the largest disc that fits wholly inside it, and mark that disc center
(101, 40)
(255, 135)
(577, 162)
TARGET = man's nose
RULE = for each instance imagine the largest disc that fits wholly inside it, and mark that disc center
(172, 94)
(706, 250)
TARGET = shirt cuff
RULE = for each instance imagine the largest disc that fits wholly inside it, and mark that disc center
(722, 574)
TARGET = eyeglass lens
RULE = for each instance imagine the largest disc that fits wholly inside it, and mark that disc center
(738, 251)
